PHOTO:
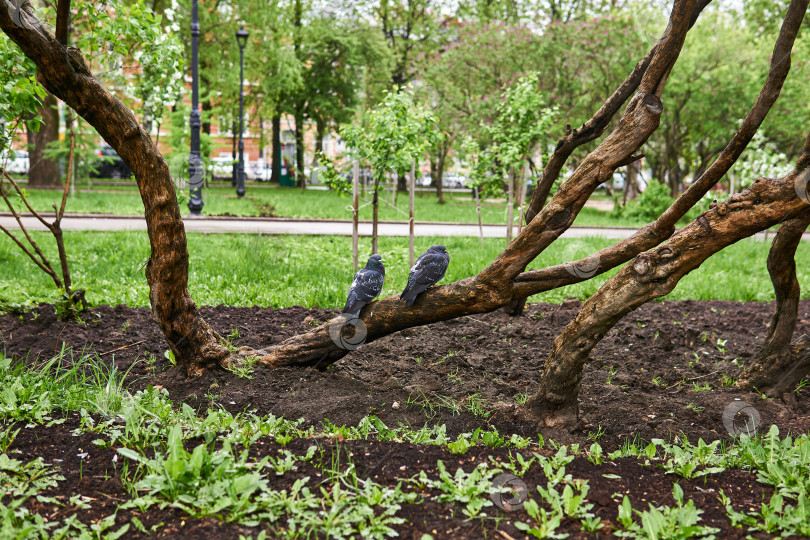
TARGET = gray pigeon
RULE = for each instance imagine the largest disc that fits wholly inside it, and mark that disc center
(428, 270)
(366, 286)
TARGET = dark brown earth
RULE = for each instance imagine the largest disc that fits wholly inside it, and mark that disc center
(643, 382)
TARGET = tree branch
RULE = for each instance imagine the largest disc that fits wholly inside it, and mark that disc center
(654, 274)
(594, 127)
(537, 281)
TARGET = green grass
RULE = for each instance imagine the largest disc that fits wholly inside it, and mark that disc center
(281, 271)
(151, 435)
(287, 202)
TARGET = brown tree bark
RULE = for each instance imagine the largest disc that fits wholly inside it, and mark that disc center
(654, 274)
(44, 172)
(589, 131)
(494, 286)
(780, 365)
(65, 73)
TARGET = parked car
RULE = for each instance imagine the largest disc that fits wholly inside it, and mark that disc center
(108, 164)
(221, 167)
(16, 161)
(453, 180)
(258, 170)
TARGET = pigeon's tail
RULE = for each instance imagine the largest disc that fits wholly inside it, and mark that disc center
(353, 306)
(409, 296)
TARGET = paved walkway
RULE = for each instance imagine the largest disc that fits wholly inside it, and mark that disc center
(215, 225)
(293, 226)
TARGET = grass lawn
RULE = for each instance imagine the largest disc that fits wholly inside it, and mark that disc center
(290, 202)
(280, 271)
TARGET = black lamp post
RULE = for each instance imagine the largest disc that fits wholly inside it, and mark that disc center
(241, 39)
(196, 172)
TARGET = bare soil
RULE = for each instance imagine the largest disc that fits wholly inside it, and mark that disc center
(664, 371)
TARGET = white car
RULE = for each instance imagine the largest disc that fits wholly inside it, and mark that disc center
(258, 170)
(17, 163)
(221, 167)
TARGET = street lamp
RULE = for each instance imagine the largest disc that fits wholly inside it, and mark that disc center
(196, 172)
(241, 39)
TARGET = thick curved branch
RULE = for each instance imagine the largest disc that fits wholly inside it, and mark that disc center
(654, 274)
(651, 235)
(593, 127)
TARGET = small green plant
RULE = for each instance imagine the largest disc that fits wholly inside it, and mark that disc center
(244, 368)
(675, 522)
(471, 490)
(695, 408)
(612, 371)
(595, 436)
(594, 454)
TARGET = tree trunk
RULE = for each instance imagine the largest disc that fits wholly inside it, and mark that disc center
(234, 165)
(299, 149)
(654, 274)
(321, 129)
(444, 147)
(44, 172)
(630, 183)
(778, 367)
(276, 164)
(510, 208)
(65, 73)
(375, 219)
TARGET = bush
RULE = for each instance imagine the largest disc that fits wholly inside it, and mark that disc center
(650, 204)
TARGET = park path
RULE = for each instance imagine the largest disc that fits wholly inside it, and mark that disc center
(276, 226)
(215, 225)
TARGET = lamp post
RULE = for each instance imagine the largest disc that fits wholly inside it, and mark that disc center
(241, 39)
(196, 171)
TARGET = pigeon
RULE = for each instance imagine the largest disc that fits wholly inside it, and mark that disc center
(366, 286)
(428, 270)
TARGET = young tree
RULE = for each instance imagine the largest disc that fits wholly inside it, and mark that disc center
(395, 133)
(520, 125)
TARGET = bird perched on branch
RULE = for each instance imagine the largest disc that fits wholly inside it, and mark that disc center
(428, 270)
(366, 286)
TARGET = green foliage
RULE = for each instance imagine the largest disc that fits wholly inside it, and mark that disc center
(331, 176)
(689, 462)
(471, 490)
(393, 135)
(521, 122)
(650, 204)
(20, 93)
(671, 522)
